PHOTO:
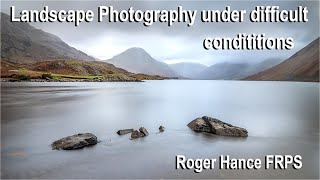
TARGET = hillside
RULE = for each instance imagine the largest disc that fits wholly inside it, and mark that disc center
(302, 66)
(260, 66)
(137, 60)
(22, 43)
(187, 70)
(70, 70)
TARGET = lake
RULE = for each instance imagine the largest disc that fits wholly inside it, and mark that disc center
(281, 118)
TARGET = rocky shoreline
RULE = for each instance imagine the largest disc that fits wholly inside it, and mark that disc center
(203, 124)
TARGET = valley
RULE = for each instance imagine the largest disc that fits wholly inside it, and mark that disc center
(32, 54)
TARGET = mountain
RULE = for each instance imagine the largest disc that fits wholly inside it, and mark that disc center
(235, 71)
(137, 60)
(223, 71)
(22, 43)
(302, 66)
(261, 66)
(187, 70)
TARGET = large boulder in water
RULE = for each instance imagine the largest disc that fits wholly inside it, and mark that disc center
(215, 126)
(76, 141)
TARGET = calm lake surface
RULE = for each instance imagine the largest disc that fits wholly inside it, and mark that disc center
(281, 118)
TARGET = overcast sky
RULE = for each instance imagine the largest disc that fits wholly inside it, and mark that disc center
(178, 43)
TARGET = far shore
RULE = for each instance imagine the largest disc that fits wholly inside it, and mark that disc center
(67, 80)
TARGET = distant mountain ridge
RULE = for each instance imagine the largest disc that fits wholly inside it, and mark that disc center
(223, 71)
(22, 43)
(137, 60)
(187, 70)
(235, 70)
(302, 66)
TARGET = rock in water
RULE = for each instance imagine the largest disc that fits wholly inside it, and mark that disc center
(136, 134)
(161, 128)
(124, 131)
(76, 141)
(144, 131)
(215, 126)
(141, 133)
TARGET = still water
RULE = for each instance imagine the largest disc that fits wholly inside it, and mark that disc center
(281, 118)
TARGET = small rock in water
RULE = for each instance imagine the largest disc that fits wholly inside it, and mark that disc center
(124, 131)
(144, 131)
(141, 133)
(161, 128)
(215, 126)
(136, 134)
(76, 141)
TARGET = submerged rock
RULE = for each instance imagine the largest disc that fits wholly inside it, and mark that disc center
(144, 131)
(215, 126)
(161, 128)
(76, 141)
(136, 134)
(124, 131)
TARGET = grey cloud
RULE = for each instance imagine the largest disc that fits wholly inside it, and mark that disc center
(178, 42)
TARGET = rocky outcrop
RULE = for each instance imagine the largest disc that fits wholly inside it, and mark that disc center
(124, 131)
(76, 141)
(215, 126)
